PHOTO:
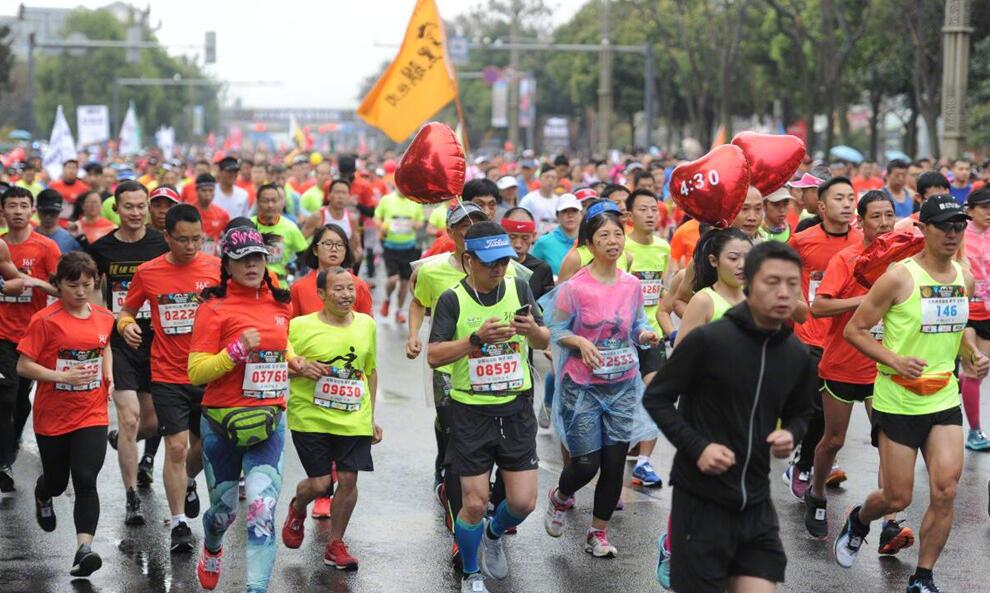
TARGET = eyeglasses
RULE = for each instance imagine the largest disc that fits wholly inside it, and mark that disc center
(332, 245)
(949, 226)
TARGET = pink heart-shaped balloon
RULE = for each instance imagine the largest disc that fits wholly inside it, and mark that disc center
(773, 158)
(713, 188)
(432, 168)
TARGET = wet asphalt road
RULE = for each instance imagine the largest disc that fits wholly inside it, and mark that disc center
(398, 535)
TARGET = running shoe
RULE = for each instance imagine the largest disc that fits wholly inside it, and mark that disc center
(597, 544)
(895, 537)
(645, 475)
(192, 501)
(208, 568)
(86, 562)
(112, 438)
(6, 479)
(835, 477)
(491, 556)
(182, 540)
(44, 512)
(800, 482)
(133, 514)
(922, 585)
(815, 515)
(473, 583)
(977, 441)
(440, 490)
(848, 543)
(543, 418)
(553, 521)
(383, 311)
(146, 471)
(663, 562)
(322, 507)
(294, 528)
(336, 554)
(400, 317)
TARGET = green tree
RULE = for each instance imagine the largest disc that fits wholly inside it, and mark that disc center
(71, 80)
(6, 56)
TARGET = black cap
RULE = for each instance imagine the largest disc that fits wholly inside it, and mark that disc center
(980, 196)
(49, 200)
(346, 164)
(229, 164)
(205, 179)
(941, 208)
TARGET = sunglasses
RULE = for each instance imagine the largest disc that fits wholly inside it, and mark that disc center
(495, 264)
(949, 226)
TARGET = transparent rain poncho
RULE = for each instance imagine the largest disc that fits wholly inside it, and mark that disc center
(601, 407)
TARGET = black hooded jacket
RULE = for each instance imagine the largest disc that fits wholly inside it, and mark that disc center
(734, 381)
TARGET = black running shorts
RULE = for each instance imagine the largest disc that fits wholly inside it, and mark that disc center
(132, 366)
(848, 393)
(398, 261)
(710, 543)
(318, 451)
(981, 326)
(177, 407)
(911, 430)
(651, 359)
(479, 440)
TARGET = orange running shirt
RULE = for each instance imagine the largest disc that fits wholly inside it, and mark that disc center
(57, 340)
(215, 219)
(220, 321)
(816, 248)
(37, 256)
(173, 292)
(306, 301)
(840, 360)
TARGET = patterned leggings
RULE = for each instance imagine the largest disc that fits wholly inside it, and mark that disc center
(261, 464)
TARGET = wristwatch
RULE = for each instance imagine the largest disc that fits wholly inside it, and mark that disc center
(475, 340)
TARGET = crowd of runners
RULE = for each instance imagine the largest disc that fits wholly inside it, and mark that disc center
(224, 306)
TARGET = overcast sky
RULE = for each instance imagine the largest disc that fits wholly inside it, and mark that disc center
(318, 51)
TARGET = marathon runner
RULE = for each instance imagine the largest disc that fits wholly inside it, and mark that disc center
(336, 212)
(161, 199)
(36, 259)
(171, 283)
(847, 375)
(817, 245)
(484, 327)
(521, 227)
(923, 303)
(66, 350)
(215, 219)
(284, 239)
(776, 207)
(977, 247)
(483, 193)
(240, 351)
(117, 256)
(399, 218)
(724, 533)
(597, 321)
(554, 246)
(331, 409)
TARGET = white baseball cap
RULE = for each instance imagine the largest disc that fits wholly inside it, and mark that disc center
(506, 182)
(567, 202)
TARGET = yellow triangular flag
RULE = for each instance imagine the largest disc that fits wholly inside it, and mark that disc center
(418, 83)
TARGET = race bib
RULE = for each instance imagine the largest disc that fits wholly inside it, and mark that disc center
(266, 374)
(618, 359)
(276, 250)
(944, 309)
(177, 312)
(400, 226)
(496, 367)
(341, 389)
(652, 286)
(90, 360)
(814, 281)
(118, 292)
(24, 297)
(50, 300)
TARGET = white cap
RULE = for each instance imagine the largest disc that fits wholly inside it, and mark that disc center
(506, 182)
(778, 196)
(567, 202)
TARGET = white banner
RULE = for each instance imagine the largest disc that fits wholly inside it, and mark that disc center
(165, 139)
(61, 146)
(500, 104)
(93, 123)
(130, 132)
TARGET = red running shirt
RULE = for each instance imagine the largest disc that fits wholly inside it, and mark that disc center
(306, 301)
(38, 257)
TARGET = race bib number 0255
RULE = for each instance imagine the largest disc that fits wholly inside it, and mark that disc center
(90, 360)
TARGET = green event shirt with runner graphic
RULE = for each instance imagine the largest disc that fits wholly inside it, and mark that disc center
(288, 241)
(398, 214)
(928, 325)
(339, 403)
(649, 262)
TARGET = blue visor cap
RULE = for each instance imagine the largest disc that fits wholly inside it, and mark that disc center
(491, 248)
(601, 208)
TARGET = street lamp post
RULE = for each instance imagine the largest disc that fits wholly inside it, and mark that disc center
(955, 74)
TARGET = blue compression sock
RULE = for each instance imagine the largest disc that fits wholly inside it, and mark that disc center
(468, 538)
(504, 520)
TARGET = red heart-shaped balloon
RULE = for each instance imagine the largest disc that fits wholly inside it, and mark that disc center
(773, 158)
(432, 168)
(713, 188)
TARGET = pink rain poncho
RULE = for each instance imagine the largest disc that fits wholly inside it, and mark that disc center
(604, 406)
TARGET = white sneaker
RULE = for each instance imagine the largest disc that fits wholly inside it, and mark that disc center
(597, 545)
(553, 520)
(491, 556)
(474, 583)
